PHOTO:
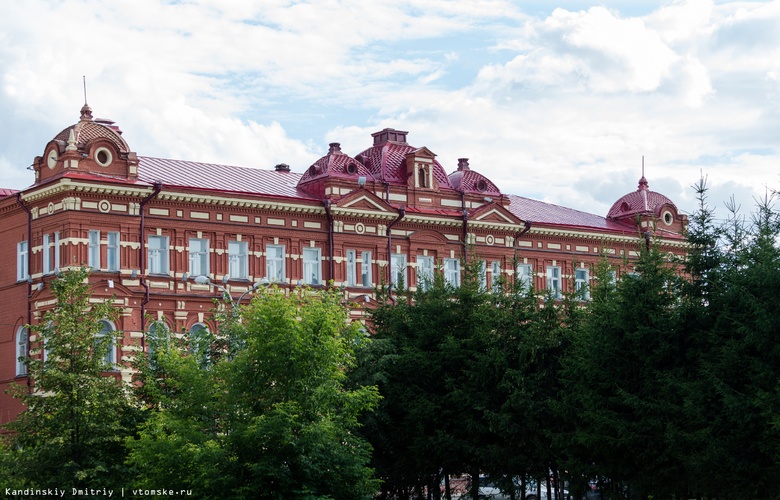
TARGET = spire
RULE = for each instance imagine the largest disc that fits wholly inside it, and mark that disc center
(643, 185)
(86, 111)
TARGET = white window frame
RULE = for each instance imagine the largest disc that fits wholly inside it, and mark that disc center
(452, 272)
(424, 272)
(366, 278)
(204, 357)
(525, 276)
(46, 267)
(56, 250)
(112, 251)
(158, 255)
(398, 270)
(482, 275)
(495, 274)
(22, 348)
(199, 256)
(582, 282)
(351, 261)
(275, 264)
(22, 261)
(93, 252)
(238, 260)
(312, 266)
(108, 328)
(554, 281)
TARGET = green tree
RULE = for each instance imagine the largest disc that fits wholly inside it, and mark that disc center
(275, 421)
(72, 431)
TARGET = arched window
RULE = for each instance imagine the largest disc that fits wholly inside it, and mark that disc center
(22, 343)
(200, 343)
(422, 177)
(157, 335)
(107, 329)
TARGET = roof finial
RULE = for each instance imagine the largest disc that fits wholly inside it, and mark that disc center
(643, 182)
(86, 111)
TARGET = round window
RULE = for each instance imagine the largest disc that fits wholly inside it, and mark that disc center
(668, 218)
(482, 185)
(351, 168)
(103, 157)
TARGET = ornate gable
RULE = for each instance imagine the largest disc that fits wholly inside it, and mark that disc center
(494, 215)
(420, 169)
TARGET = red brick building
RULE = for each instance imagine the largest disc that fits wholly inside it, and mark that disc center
(149, 226)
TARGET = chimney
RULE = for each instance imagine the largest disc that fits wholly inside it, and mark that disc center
(335, 148)
(463, 164)
(282, 167)
(389, 135)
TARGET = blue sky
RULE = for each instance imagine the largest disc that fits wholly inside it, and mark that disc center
(557, 101)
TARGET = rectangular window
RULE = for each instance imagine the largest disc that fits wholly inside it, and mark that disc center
(93, 254)
(238, 255)
(525, 276)
(112, 251)
(274, 263)
(398, 270)
(424, 272)
(554, 281)
(482, 275)
(158, 255)
(312, 266)
(365, 269)
(452, 272)
(57, 250)
(21, 261)
(46, 254)
(199, 257)
(351, 268)
(582, 283)
(495, 275)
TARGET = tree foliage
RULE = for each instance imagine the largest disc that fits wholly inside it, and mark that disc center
(71, 434)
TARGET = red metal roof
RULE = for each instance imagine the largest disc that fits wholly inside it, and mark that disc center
(640, 201)
(388, 162)
(214, 177)
(7, 192)
(539, 212)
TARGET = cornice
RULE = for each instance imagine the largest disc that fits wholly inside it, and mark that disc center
(69, 185)
(224, 201)
(537, 231)
(361, 213)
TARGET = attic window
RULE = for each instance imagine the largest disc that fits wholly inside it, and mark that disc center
(668, 218)
(103, 157)
(313, 170)
(624, 207)
(482, 185)
(422, 178)
(351, 168)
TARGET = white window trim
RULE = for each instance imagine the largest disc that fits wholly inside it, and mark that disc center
(111, 355)
(113, 244)
(238, 261)
(525, 274)
(424, 272)
(21, 350)
(366, 277)
(351, 267)
(312, 266)
(22, 261)
(396, 274)
(199, 256)
(582, 284)
(495, 274)
(277, 263)
(158, 256)
(554, 283)
(46, 267)
(483, 275)
(93, 249)
(452, 272)
(56, 250)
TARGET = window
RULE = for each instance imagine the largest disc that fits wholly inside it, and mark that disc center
(21, 261)
(525, 276)
(424, 272)
(46, 254)
(452, 272)
(112, 251)
(351, 267)
(495, 275)
(93, 255)
(554, 281)
(200, 344)
(238, 253)
(482, 275)
(312, 266)
(274, 263)
(107, 330)
(22, 343)
(398, 270)
(157, 335)
(158, 255)
(199, 257)
(365, 269)
(56, 250)
(582, 283)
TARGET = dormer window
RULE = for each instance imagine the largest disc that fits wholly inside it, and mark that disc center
(422, 177)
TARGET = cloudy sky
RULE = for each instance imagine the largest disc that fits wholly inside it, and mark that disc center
(557, 101)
